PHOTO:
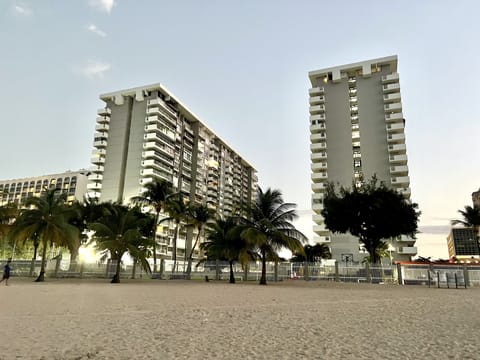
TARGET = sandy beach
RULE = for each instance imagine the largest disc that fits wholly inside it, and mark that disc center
(152, 319)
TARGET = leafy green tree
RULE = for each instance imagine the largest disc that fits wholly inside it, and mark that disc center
(178, 211)
(8, 214)
(223, 242)
(269, 228)
(45, 219)
(311, 253)
(198, 216)
(119, 231)
(372, 212)
(155, 197)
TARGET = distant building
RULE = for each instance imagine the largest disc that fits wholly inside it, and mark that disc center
(145, 134)
(357, 131)
(463, 243)
(71, 183)
(476, 198)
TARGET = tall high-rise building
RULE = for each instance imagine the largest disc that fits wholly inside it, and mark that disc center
(146, 133)
(357, 131)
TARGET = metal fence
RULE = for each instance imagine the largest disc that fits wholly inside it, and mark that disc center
(448, 275)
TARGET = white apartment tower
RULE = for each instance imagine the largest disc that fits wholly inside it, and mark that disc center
(145, 133)
(357, 130)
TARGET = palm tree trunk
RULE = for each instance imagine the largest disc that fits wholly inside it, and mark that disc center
(116, 277)
(73, 259)
(32, 265)
(232, 275)
(154, 234)
(41, 276)
(134, 268)
(263, 278)
(174, 254)
(190, 256)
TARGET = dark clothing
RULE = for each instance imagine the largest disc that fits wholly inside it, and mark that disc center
(6, 272)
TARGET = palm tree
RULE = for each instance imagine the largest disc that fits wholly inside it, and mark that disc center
(268, 227)
(120, 231)
(8, 214)
(198, 216)
(45, 219)
(223, 242)
(177, 210)
(471, 219)
(311, 253)
(155, 195)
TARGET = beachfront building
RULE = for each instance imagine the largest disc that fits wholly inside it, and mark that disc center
(357, 131)
(463, 244)
(146, 133)
(476, 198)
(71, 183)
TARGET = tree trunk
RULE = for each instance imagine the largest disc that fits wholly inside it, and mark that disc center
(32, 265)
(157, 215)
(41, 276)
(134, 269)
(116, 277)
(174, 254)
(263, 278)
(232, 275)
(73, 259)
(190, 257)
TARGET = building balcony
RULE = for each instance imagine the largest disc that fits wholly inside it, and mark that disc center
(396, 138)
(318, 187)
(394, 117)
(317, 208)
(103, 120)
(317, 147)
(97, 169)
(95, 177)
(406, 192)
(101, 135)
(393, 107)
(321, 239)
(393, 97)
(104, 112)
(408, 250)
(398, 159)
(317, 118)
(319, 228)
(154, 103)
(316, 91)
(154, 145)
(389, 88)
(97, 160)
(390, 78)
(319, 168)
(317, 128)
(317, 109)
(318, 136)
(99, 144)
(395, 127)
(156, 128)
(398, 170)
(94, 186)
(102, 127)
(318, 219)
(316, 100)
(397, 148)
(405, 239)
(99, 152)
(316, 158)
(403, 181)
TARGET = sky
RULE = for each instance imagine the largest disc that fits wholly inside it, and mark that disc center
(242, 67)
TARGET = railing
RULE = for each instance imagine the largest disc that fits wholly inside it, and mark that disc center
(449, 275)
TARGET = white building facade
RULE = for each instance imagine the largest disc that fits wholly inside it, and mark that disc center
(357, 131)
(146, 133)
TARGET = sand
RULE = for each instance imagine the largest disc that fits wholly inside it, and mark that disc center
(154, 319)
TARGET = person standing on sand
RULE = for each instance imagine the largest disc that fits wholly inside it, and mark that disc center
(6, 272)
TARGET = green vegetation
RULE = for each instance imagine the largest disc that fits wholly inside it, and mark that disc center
(372, 212)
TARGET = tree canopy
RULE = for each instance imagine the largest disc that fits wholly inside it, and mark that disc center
(372, 212)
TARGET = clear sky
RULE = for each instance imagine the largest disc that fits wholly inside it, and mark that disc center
(242, 67)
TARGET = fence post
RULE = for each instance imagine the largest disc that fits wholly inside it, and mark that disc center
(466, 276)
(337, 273)
(217, 270)
(58, 260)
(369, 274)
(81, 270)
(275, 271)
(399, 274)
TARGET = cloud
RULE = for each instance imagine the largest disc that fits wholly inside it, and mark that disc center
(435, 229)
(22, 8)
(94, 69)
(93, 28)
(102, 5)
